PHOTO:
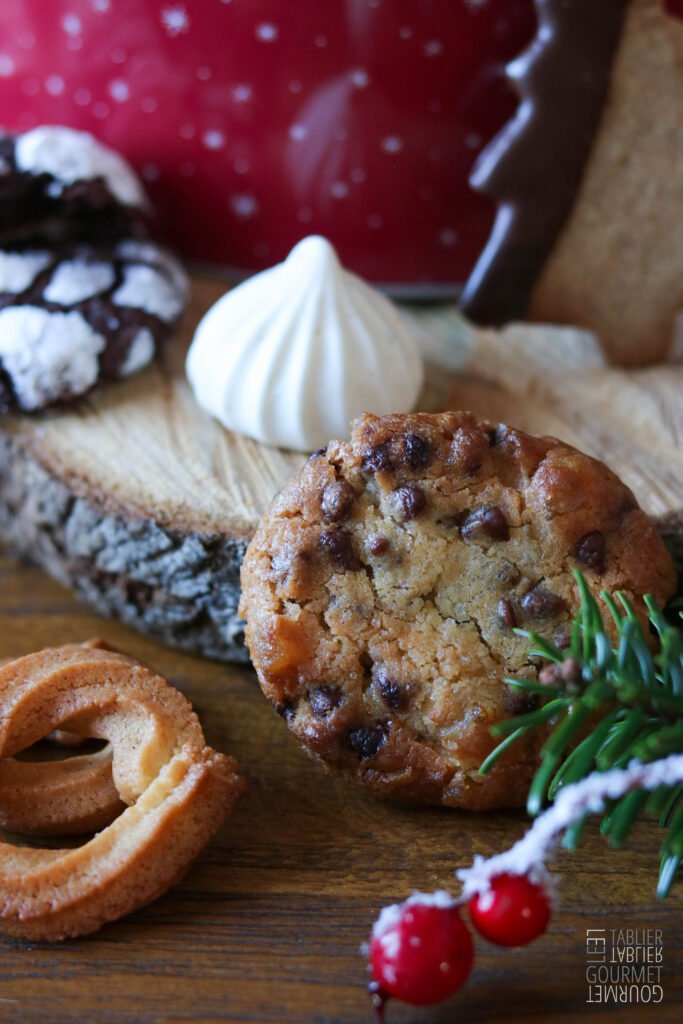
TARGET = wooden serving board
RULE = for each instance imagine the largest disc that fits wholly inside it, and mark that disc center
(144, 505)
(266, 927)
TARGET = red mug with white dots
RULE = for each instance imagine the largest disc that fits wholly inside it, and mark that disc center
(256, 122)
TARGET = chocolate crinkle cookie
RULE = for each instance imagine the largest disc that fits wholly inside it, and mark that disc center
(383, 586)
(85, 295)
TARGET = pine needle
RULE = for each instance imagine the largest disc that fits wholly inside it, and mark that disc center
(628, 705)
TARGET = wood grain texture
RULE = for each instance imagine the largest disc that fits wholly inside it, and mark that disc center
(267, 925)
(144, 505)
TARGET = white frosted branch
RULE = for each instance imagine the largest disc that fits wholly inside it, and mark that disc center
(528, 855)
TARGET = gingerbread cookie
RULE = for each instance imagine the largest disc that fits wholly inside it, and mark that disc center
(81, 313)
(588, 178)
(383, 586)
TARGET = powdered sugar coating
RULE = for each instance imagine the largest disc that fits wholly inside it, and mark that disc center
(18, 270)
(48, 355)
(139, 354)
(69, 156)
(148, 252)
(147, 289)
(390, 917)
(76, 280)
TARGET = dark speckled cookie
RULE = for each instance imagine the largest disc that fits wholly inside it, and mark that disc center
(58, 183)
(84, 295)
(384, 583)
(79, 314)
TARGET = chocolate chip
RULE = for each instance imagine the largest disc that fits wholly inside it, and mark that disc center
(493, 437)
(519, 702)
(285, 710)
(418, 451)
(488, 521)
(337, 499)
(378, 459)
(364, 741)
(316, 455)
(324, 700)
(392, 693)
(338, 546)
(541, 603)
(411, 500)
(506, 614)
(378, 545)
(590, 551)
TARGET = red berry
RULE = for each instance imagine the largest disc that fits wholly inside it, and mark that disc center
(421, 951)
(513, 912)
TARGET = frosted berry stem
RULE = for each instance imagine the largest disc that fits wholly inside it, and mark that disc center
(528, 855)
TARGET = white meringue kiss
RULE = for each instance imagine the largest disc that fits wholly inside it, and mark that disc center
(295, 353)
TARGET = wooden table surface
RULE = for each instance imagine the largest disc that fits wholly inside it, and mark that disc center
(267, 925)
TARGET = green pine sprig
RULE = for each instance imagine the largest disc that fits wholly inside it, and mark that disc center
(604, 704)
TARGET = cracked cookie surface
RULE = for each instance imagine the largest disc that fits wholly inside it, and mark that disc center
(384, 583)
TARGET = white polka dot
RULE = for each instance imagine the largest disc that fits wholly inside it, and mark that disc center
(244, 205)
(54, 85)
(448, 237)
(150, 172)
(374, 3)
(175, 20)
(241, 165)
(476, 5)
(360, 78)
(100, 6)
(433, 48)
(71, 24)
(203, 73)
(295, 85)
(304, 215)
(187, 168)
(358, 175)
(267, 32)
(148, 105)
(74, 43)
(118, 55)
(392, 144)
(242, 93)
(339, 189)
(187, 131)
(320, 41)
(101, 110)
(375, 221)
(82, 97)
(26, 40)
(119, 90)
(6, 65)
(406, 32)
(30, 86)
(297, 132)
(213, 139)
